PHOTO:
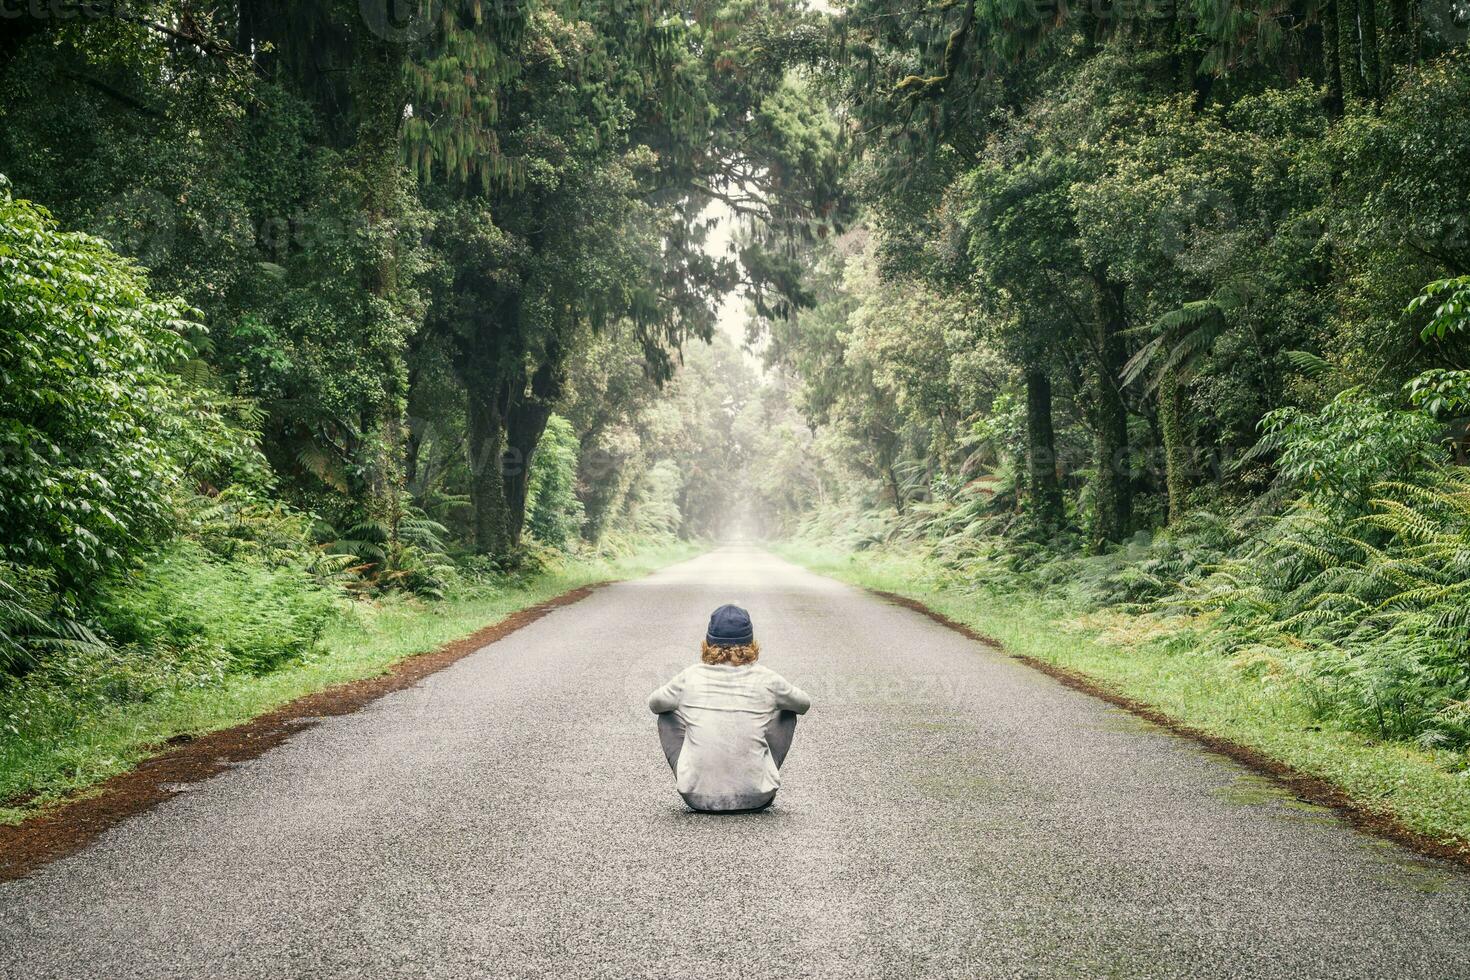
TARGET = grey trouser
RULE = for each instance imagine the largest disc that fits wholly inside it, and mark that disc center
(779, 734)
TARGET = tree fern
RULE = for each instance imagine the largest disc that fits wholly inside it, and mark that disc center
(31, 625)
(1375, 611)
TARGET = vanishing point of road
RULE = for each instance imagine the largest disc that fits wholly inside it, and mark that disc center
(948, 812)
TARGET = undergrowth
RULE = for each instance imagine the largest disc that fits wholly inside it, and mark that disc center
(1354, 588)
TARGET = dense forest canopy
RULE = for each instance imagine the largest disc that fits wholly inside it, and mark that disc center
(366, 296)
(1162, 307)
(398, 235)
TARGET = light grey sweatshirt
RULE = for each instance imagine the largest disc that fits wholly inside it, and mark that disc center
(725, 711)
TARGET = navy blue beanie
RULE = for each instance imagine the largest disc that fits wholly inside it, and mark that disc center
(729, 626)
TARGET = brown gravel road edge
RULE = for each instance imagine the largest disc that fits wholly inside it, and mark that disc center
(70, 826)
(1304, 786)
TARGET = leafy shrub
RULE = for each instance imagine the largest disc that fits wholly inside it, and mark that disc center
(101, 434)
(1187, 551)
(240, 615)
(1358, 593)
(88, 414)
(1452, 307)
(1336, 456)
(240, 524)
(654, 502)
(1409, 685)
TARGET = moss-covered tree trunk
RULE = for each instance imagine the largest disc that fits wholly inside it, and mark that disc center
(1400, 42)
(1041, 452)
(490, 512)
(1176, 450)
(508, 411)
(379, 91)
(1368, 28)
(1113, 482)
(1347, 48)
(490, 367)
(529, 411)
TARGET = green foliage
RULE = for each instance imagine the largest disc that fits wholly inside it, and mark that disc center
(1371, 615)
(1357, 594)
(701, 457)
(1219, 233)
(1452, 312)
(555, 515)
(1442, 393)
(105, 438)
(1398, 219)
(1357, 441)
(188, 606)
(1201, 207)
(653, 510)
(355, 261)
(240, 523)
(32, 627)
(91, 416)
(1180, 339)
(405, 551)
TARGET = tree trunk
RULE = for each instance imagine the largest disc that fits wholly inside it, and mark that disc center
(378, 94)
(1368, 25)
(1396, 42)
(1406, 30)
(1347, 48)
(893, 487)
(1176, 452)
(508, 413)
(1332, 51)
(487, 487)
(1041, 452)
(525, 423)
(1087, 27)
(1113, 484)
(490, 374)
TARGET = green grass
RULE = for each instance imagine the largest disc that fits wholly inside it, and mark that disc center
(53, 747)
(1427, 791)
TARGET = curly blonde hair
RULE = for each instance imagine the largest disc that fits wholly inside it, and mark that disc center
(737, 656)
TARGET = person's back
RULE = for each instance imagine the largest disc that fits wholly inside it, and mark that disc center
(727, 721)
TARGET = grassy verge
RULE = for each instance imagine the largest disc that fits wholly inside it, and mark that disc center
(52, 748)
(1426, 791)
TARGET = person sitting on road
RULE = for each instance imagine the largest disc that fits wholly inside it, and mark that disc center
(726, 723)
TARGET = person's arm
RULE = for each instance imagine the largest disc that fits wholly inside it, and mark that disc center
(788, 696)
(666, 698)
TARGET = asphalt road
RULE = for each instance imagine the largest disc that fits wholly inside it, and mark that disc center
(947, 812)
